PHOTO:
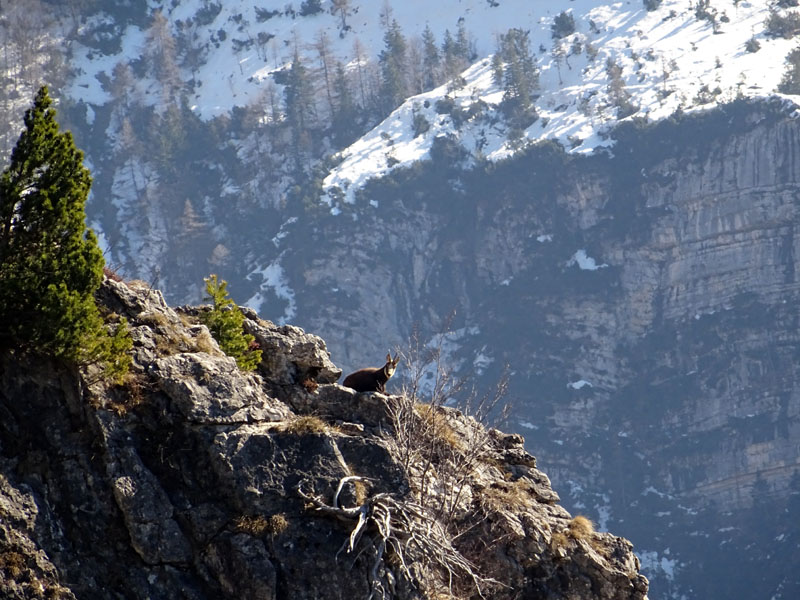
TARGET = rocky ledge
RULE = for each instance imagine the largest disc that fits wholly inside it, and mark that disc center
(195, 480)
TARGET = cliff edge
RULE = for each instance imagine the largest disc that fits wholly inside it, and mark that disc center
(196, 480)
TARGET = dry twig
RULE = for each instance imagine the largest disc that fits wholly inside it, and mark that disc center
(408, 529)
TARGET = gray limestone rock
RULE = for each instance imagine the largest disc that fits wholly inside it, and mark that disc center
(289, 354)
(208, 389)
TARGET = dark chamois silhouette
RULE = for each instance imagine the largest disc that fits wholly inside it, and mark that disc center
(372, 379)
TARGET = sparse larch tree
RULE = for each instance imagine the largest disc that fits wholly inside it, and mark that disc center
(342, 9)
(618, 94)
(323, 47)
(162, 53)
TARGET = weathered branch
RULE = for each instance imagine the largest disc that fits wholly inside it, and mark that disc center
(409, 529)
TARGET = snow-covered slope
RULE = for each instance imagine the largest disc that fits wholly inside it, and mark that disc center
(235, 64)
(669, 58)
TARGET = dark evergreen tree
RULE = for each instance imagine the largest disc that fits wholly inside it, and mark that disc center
(462, 44)
(299, 99)
(392, 62)
(50, 263)
(454, 61)
(782, 25)
(168, 138)
(497, 69)
(345, 115)
(431, 60)
(790, 83)
(563, 25)
(520, 76)
(310, 7)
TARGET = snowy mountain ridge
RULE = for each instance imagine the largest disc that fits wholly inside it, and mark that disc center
(679, 56)
(669, 59)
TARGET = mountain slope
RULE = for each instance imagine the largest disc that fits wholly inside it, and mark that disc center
(639, 279)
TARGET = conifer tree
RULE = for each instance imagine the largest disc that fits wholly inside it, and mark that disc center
(431, 60)
(462, 44)
(225, 323)
(520, 76)
(790, 82)
(345, 115)
(50, 263)
(300, 108)
(393, 68)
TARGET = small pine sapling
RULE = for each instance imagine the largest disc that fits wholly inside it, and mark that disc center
(225, 321)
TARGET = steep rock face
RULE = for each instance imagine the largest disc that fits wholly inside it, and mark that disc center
(647, 304)
(195, 480)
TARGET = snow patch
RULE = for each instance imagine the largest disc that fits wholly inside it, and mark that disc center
(274, 280)
(577, 385)
(655, 564)
(282, 232)
(585, 262)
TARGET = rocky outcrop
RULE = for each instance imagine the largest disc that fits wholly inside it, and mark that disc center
(195, 480)
(647, 304)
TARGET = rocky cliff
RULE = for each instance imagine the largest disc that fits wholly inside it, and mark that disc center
(195, 480)
(647, 302)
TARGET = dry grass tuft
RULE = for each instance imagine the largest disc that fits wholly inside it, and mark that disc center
(435, 423)
(559, 540)
(278, 524)
(580, 528)
(306, 424)
(57, 591)
(505, 495)
(205, 343)
(112, 274)
(260, 526)
(255, 526)
(154, 320)
(12, 563)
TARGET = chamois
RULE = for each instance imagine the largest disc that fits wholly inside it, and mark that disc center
(372, 379)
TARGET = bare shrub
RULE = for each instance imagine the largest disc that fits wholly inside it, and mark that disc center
(439, 448)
